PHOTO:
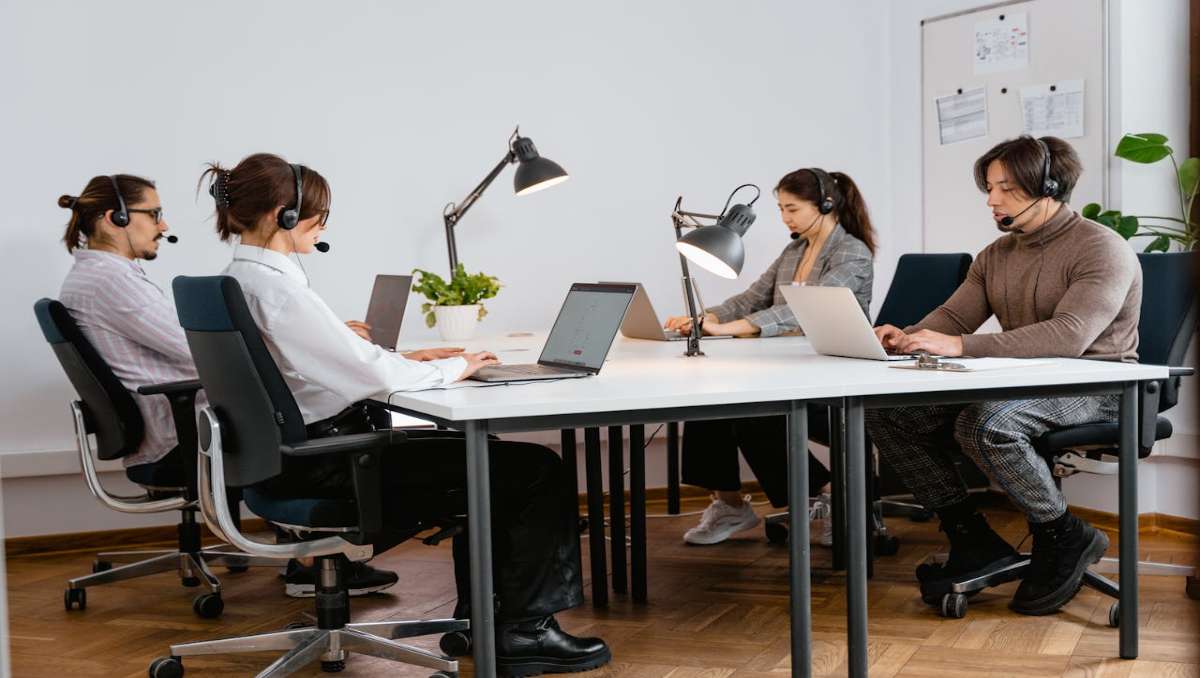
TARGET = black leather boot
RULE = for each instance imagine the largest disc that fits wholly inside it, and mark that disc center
(1062, 551)
(975, 549)
(535, 647)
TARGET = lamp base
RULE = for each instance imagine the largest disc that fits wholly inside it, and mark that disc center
(694, 354)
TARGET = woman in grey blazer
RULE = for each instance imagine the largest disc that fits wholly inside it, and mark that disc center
(833, 244)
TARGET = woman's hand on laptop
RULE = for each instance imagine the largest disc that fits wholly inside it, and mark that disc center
(434, 353)
(360, 328)
(934, 343)
(475, 361)
(683, 324)
(889, 336)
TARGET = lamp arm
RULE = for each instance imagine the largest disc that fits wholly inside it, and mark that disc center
(455, 211)
(693, 339)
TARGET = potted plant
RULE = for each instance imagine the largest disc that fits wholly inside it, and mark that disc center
(1149, 148)
(454, 307)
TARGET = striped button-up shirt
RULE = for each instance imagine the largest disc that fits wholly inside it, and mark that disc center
(844, 261)
(135, 330)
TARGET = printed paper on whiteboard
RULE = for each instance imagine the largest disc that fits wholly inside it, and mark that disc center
(962, 116)
(1053, 110)
(1002, 44)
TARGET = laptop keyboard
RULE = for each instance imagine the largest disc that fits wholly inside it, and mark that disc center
(508, 370)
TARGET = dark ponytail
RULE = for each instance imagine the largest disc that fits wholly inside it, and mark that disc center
(852, 211)
(98, 197)
(255, 188)
(848, 202)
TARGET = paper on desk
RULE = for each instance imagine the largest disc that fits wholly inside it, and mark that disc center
(978, 364)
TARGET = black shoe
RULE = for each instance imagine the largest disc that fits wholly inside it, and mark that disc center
(975, 549)
(537, 647)
(1062, 551)
(361, 579)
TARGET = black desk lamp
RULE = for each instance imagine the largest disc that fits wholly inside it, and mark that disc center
(533, 174)
(715, 247)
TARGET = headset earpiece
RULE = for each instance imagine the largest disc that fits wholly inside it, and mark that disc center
(827, 200)
(290, 216)
(120, 216)
(1049, 184)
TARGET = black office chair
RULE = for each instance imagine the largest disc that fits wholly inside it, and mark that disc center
(922, 282)
(249, 431)
(107, 411)
(1165, 329)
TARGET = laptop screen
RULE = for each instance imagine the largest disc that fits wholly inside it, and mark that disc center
(587, 324)
(386, 310)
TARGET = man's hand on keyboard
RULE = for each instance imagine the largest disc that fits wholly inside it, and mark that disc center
(475, 361)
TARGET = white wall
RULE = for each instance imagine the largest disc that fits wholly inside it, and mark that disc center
(404, 107)
(1149, 79)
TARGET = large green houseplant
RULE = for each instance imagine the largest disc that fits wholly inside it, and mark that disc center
(1147, 148)
(455, 306)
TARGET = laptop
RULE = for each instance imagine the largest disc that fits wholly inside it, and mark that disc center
(834, 322)
(641, 322)
(385, 312)
(580, 339)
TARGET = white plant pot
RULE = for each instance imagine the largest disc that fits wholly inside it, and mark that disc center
(457, 323)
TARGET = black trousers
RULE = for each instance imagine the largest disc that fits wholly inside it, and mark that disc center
(710, 453)
(535, 542)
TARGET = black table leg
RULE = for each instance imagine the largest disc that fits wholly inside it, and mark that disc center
(479, 534)
(595, 497)
(637, 511)
(856, 542)
(1128, 527)
(673, 468)
(837, 495)
(799, 550)
(616, 507)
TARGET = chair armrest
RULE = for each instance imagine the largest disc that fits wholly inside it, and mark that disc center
(1181, 371)
(171, 388)
(355, 442)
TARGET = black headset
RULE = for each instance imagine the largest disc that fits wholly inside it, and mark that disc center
(1049, 184)
(120, 216)
(828, 200)
(290, 216)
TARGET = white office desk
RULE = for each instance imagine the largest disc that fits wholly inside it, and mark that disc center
(649, 382)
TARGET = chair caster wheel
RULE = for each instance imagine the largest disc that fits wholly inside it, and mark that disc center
(777, 533)
(166, 667)
(954, 606)
(333, 667)
(1193, 587)
(237, 569)
(101, 566)
(208, 606)
(75, 598)
(456, 644)
(921, 516)
(190, 582)
(1114, 615)
(583, 525)
(886, 545)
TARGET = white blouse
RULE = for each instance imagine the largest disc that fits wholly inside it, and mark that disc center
(325, 364)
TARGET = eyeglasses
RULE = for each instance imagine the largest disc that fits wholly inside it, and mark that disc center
(155, 213)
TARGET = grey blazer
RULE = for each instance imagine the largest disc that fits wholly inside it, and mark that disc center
(844, 261)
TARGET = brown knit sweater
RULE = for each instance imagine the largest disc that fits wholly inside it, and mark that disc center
(1070, 289)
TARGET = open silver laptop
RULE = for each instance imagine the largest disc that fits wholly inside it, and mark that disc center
(385, 312)
(580, 339)
(641, 322)
(834, 322)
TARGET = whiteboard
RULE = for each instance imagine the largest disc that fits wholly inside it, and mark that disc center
(1066, 41)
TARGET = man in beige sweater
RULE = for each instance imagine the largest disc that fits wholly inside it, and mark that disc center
(1060, 286)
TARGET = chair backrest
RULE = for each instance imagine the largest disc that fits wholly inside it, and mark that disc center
(1168, 314)
(242, 382)
(921, 284)
(109, 411)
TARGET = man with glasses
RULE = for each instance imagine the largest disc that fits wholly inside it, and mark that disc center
(116, 221)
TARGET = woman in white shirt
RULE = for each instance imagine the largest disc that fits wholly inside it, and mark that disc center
(277, 212)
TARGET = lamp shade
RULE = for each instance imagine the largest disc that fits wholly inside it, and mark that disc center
(533, 171)
(716, 249)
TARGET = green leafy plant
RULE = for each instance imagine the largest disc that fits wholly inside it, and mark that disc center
(462, 290)
(1148, 148)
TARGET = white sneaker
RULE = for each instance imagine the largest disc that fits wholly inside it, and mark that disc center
(720, 522)
(820, 518)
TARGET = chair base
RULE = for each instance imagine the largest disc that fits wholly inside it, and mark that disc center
(304, 646)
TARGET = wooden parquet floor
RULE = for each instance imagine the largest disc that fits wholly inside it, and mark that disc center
(714, 612)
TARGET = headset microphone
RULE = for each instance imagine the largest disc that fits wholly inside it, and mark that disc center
(171, 238)
(1008, 221)
(322, 246)
(795, 236)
